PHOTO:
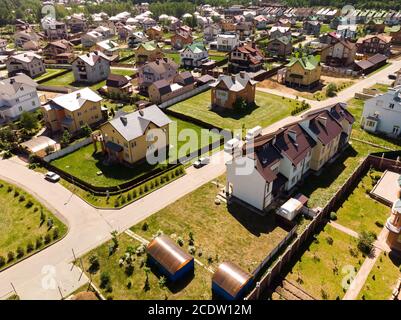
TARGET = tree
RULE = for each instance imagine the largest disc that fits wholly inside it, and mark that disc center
(331, 89)
(365, 241)
(65, 138)
(29, 121)
(114, 239)
(240, 105)
(86, 130)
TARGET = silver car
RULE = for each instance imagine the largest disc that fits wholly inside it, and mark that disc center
(52, 177)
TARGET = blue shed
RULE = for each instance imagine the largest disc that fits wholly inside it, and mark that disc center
(170, 259)
(230, 282)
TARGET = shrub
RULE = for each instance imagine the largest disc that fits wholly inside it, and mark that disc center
(145, 226)
(55, 234)
(116, 203)
(123, 199)
(333, 216)
(2, 261)
(9, 189)
(129, 197)
(47, 238)
(104, 280)
(365, 241)
(39, 242)
(162, 282)
(10, 256)
(191, 250)
(330, 240)
(129, 284)
(20, 252)
(129, 270)
(29, 247)
(29, 204)
(134, 194)
(180, 241)
(16, 193)
(50, 223)
(379, 224)
(21, 198)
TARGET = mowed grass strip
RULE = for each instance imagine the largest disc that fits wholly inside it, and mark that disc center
(382, 278)
(131, 286)
(320, 269)
(20, 222)
(220, 232)
(270, 108)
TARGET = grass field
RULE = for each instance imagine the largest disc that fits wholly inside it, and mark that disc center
(220, 233)
(360, 212)
(68, 80)
(320, 270)
(270, 108)
(20, 223)
(198, 287)
(49, 73)
(382, 279)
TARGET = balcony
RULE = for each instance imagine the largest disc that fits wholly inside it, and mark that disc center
(391, 227)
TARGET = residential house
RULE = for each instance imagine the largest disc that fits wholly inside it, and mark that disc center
(395, 34)
(59, 52)
(27, 39)
(130, 138)
(53, 29)
(194, 55)
(279, 47)
(228, 90)
(227, 42)
(260, 22)
(180, 39)
(125, 32)
(90, 38)
(155, 33)
(18, 94)
(148, 23)
(161, 69)
(373, 44)
(148, 52)
(107, 32)
(119, 84)
(375, 26)
(21, 25)
(244, 30)
(347, 31)
(162, 90)
(285, 23)
(28, 63)
(228, 26)
(278, 32)
(136, 38)
(77, 23)
(382, 114)
(312, 27)
(329, 38)
(371, 64)
(91, 67)
(3, 46)
(274, 164)
(109, 48)
(304, 71)
(245, 57)
(339, 54)
(211, 31)
(73, 110)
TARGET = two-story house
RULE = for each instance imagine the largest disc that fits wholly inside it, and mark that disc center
(373, 44)
(28, 62)
(73, 110)
(90, 38)
(161, 69)
(194, 55)
(312, 27)
(155, 33)
(303, 71)
(3, 46)
(245, 57)
(91, 67)
(17, 95)
(148, 52)
(132, 137)
(109, 48)
(278, 32)
(227, 42)
(341, 53)
(244, 30)
(279, 47)
(27, 40)
(227, 90)
(53, 29)
(77, 23)
(59, 52)
(382, 114)
(211, 31)
(119, 84)
(180, 39)
(260, 22)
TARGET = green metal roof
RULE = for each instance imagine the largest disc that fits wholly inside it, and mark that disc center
(150, 45)
(307, 62)
(197, 47)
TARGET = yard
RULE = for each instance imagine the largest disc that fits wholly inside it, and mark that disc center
(219, 232)
(382, 278)
(24, 230)
(68, 80)
(327, 266)
(362, 213)
(129, 283)
(49, 73)
(270, 108)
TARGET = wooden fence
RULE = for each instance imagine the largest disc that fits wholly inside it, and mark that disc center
(297, 246)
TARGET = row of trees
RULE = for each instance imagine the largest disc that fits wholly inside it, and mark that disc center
(364, 4)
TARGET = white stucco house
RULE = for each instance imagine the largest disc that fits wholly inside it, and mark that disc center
(17, 95)
(382, 114)
(194, 55)
(227, 42)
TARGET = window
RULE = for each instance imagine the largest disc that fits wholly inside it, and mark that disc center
(391, 106)
(133, 144)
(370, 123)
(396, 130)
(33, 103)
(20, 108)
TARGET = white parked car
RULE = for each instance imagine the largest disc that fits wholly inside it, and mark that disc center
(52, 177)
(201, 162)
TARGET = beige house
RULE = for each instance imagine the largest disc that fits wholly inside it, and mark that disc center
(130, 138)
(303, 71)
(227, 90)
(341, 53)
(73, 110)
(148, 52)
(29, 63)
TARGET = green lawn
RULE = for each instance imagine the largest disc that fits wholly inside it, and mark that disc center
(68, 80)
(220, 232)
(20, 223)
(360, 212)
(320, 270)
(198, 287)
(382, 279)
(325, 28)
(270, 108)
(49, 73)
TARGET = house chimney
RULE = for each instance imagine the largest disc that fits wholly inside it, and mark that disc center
(141, 112)
(292, 134)
(242, 74)
(124, 120)
(12, 80)
(233, 78)
(322, 120)
(253, 45)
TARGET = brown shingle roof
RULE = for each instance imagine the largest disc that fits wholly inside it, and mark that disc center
(324, 127)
